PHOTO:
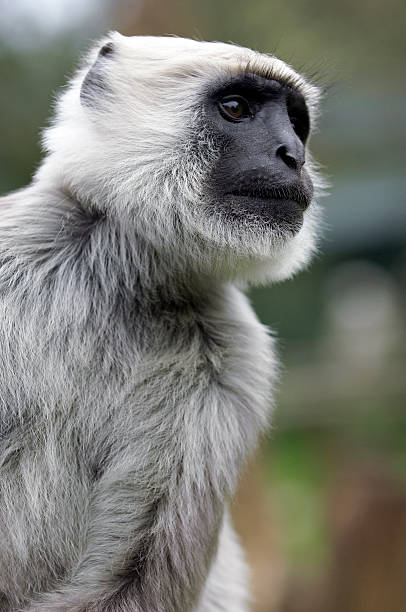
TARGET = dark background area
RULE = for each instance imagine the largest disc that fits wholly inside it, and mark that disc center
(322, 511)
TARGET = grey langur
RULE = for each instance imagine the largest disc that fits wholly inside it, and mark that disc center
(135, 378)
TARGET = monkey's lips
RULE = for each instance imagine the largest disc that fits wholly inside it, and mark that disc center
(275, 195)
(280, 208)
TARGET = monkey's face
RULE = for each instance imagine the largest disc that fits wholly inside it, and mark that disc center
(260, 176)
(259, 188)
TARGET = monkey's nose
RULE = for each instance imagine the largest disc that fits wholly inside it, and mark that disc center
(293, 157)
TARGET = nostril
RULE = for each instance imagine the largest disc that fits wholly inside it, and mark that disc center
(292, 161)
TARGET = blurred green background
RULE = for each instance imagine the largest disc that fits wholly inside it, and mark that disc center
(323, 511)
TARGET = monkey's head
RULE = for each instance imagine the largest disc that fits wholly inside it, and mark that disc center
(200, 147)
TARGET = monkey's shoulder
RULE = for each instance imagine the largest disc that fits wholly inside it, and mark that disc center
(235, 334)
(213, 385)
(223, 354)
(244, 363)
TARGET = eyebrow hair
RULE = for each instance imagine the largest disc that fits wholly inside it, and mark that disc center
(266, 69)
(251, 81)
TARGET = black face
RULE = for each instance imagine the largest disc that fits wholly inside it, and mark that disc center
(262, 126)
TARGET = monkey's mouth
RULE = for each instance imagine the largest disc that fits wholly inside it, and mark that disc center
(297, 194)
(279, 207)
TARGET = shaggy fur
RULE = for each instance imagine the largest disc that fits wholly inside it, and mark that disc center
(135, 377)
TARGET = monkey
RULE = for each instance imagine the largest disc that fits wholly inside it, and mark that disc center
(136, 379)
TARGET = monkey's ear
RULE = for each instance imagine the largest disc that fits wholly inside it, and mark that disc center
(94, 84)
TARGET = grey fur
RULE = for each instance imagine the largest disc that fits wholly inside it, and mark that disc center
(135, 377)
(94, 84)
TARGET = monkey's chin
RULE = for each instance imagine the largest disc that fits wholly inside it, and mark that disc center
(279, 215)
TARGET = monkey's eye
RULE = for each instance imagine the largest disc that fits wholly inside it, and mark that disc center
(235, 108)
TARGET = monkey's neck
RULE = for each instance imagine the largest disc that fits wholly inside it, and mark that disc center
(105, 260)
(89, 287)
